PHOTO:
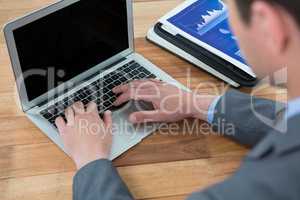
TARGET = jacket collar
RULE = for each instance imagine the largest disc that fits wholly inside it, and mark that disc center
(291, 140)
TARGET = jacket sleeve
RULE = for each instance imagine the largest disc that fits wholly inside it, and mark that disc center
(99, 180)
(269, 172)
(259, 180)
(244, 118)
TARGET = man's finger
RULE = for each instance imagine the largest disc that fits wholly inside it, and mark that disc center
(156, 81)
(92, 108)
(121, 89)
(126, 87)
(140, 84)
(70, 116)
(123, 98)
(143, 84)
(146, 116)
(107, 118)
(61, 124)
(78, 107)
(134, 95)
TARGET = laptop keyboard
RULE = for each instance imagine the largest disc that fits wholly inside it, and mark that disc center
(99, 91)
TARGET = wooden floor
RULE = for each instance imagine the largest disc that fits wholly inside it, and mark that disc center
(161, 167)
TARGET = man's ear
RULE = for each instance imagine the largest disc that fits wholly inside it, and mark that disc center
(268, 21)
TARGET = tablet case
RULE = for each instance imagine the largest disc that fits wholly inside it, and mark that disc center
(200, 57)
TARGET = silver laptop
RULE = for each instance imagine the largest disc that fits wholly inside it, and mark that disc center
(78, 51)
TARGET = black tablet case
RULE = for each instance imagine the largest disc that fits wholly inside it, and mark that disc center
(205, 56)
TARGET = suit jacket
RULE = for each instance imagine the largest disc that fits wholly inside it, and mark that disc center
(271, 171)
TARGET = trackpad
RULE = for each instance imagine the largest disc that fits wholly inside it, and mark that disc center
(126, 134)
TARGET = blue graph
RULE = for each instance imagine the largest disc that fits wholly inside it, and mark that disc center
(214, 9)
(207, 20)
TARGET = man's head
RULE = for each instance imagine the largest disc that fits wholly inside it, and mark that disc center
(268, 31)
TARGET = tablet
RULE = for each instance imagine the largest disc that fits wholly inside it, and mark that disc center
(205, 23)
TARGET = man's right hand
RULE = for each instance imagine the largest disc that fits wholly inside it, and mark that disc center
(170, 103)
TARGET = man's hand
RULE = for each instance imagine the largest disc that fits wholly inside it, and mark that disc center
(171, 103)
(86, 137)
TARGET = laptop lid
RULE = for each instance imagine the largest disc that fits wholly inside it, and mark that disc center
(57, 47)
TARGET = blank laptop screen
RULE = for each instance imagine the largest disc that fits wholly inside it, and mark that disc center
(69, 42)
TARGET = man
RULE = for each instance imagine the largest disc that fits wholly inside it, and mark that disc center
(269, 34)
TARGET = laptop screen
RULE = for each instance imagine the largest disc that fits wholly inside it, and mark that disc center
(69, 42)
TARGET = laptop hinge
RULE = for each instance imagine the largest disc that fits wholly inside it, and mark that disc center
(80, 82)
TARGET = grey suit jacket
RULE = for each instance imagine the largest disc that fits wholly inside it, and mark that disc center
(271, 171)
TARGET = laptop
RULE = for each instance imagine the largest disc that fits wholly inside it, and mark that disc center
(79, 51)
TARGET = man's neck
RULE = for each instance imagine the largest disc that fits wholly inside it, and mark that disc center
(292, 62)
(293, 79)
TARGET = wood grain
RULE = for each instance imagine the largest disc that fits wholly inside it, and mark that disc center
(145, 181)
(162, 167)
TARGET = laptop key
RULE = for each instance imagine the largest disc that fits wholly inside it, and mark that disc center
(52, 110)
(47, 115)
(105, 90)
(113, 99)
(81, 96)
(92, 98)
(132, 74)
(134, 66)
(77, 98)
(87, 92)
(65, 104)
(105, 97)
(142, 75)
(145, 71)
(85, 101)
(108, 81)
(117, 83)
(127, 70)
(106, 104)
(52, 120)
(110, 94)
(123, 79)
(111, 86)
(135, 72)
(115, 77)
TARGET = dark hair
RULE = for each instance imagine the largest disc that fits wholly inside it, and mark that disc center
(292, 6)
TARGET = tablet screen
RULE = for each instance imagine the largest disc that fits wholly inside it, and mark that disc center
(206, 23)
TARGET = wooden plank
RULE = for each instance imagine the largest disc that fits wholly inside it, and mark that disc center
(19, 131)
(147, 13)
(183, 177)
(145, 181)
